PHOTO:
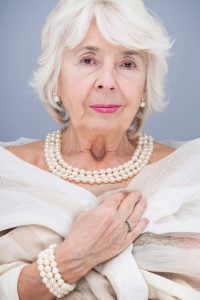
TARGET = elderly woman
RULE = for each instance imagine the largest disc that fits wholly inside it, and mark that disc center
(98, 210)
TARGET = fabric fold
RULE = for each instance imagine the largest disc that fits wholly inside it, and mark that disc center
(45, 205)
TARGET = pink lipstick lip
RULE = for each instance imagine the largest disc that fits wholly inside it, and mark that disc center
(105, 105)
(106, 109)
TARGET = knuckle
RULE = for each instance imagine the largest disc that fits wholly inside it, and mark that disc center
(137, 193)
(113, 199)
(134, 199)
(119, 195)
(142, 204)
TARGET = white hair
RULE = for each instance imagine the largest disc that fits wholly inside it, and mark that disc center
(127, 23)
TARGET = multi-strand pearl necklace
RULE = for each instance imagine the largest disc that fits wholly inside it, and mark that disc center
(58, 166)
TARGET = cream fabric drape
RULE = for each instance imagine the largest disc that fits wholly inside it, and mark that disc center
(37, 209)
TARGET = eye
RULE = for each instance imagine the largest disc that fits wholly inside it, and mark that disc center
(129, 65)
(87, 61)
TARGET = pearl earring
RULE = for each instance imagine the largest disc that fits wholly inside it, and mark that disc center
(56, 98)
(142, 104)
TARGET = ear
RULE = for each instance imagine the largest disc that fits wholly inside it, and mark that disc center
(56, 89)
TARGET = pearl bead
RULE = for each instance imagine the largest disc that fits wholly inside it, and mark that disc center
(52, 281)
(57, 276)
(46, 262)
(44, 280)
(84, 180)
(49, 275)
(112, 180)
(42, 274)
(61, 282)
(98, 180)
(53, 264)
(77, 179)
(91, 180)
(55, 270)
(48, 285)
(47, 269)
(119, 178)
(40, 268)
(105, 180)
(51, 257)
(40, 261)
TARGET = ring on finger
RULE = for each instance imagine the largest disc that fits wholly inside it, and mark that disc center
(130, 226)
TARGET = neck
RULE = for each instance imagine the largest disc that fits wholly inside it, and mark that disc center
(97, 145)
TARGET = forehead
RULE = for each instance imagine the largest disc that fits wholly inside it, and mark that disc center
(94, 41)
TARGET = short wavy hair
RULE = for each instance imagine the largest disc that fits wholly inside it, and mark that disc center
(127, 23)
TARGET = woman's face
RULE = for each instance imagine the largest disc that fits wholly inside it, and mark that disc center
(101, 84)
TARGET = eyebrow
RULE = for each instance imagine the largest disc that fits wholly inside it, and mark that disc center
(96, 49)
(130, 52)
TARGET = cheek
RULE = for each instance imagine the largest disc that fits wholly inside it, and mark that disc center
(133, 91)
(72, 90)
(69, 83)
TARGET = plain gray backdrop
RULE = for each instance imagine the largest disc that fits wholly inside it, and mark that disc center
(22, 114)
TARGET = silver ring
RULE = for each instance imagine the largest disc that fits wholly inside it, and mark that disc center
(130, 227)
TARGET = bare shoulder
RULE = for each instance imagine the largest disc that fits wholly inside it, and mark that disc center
(31, 152)
(161, 151)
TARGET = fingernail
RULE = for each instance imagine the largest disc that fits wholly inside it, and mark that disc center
(146, 221)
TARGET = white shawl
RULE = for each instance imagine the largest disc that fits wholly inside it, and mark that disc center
(38, 200)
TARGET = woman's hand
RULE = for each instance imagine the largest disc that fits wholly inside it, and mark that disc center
(101, 233)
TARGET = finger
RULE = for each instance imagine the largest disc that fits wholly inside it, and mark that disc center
(138, 211)
(138, 229)
(128, 204)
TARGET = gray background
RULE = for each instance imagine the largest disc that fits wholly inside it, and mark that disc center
(21, 113)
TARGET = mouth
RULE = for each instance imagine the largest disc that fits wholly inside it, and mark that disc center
(105, 108)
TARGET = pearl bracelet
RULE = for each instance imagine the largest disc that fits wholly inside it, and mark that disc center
(48, 269)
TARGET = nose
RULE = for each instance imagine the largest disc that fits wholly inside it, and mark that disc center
(106, 80)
